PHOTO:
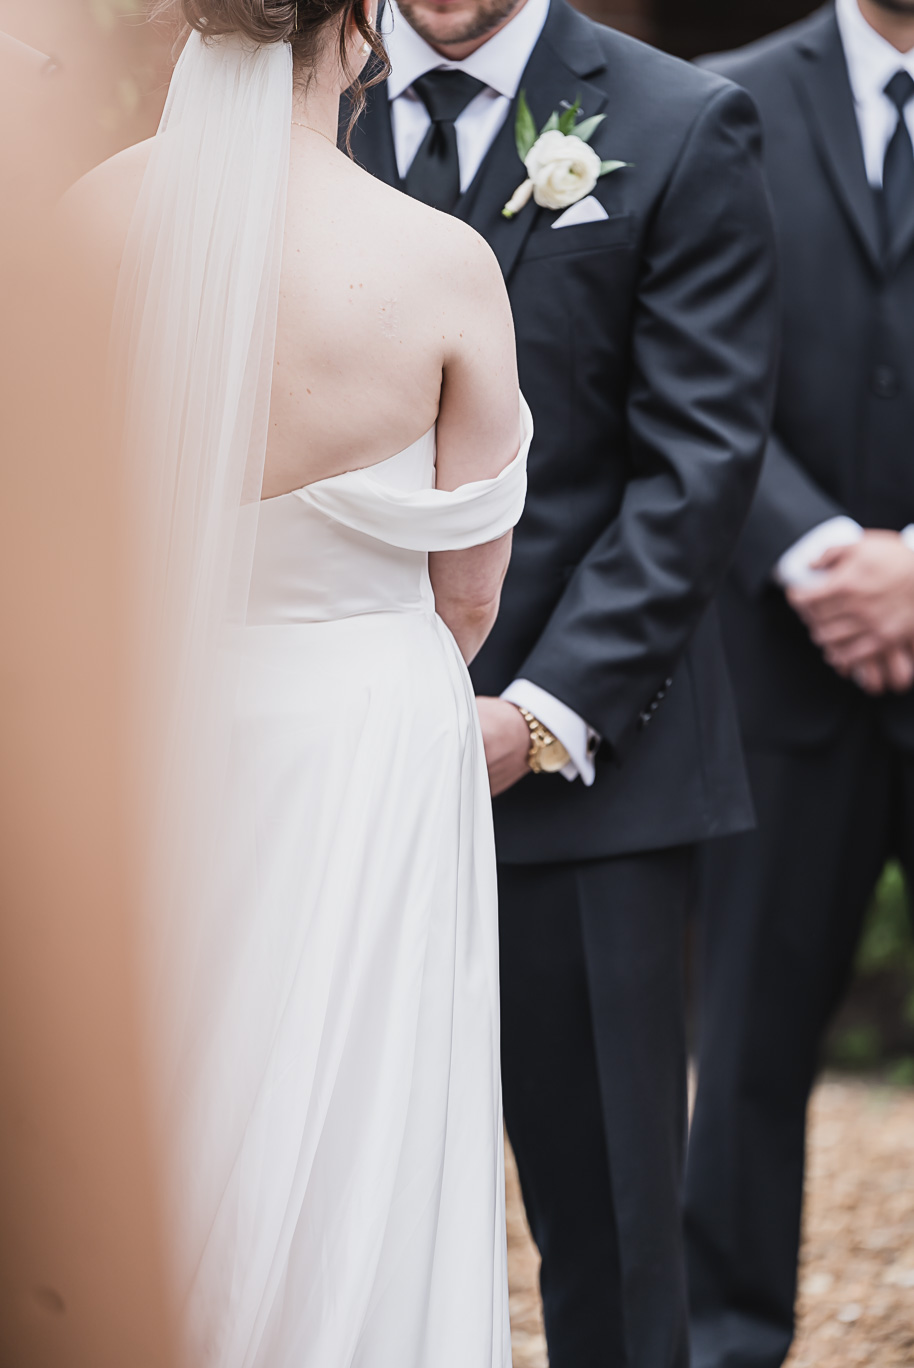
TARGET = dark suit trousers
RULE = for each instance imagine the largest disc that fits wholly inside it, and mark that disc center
(781, 912)
(593, 1055)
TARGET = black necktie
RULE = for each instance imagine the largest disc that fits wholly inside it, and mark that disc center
(898, 175)
(434, 176)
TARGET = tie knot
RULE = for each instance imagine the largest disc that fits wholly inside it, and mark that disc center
(900, 90)
(446, 94)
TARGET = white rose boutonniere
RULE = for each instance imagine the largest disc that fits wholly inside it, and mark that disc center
(561, 167)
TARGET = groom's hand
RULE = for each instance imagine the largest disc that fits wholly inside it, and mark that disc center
(506, 737)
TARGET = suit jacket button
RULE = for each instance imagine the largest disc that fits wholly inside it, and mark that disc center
(886, 383)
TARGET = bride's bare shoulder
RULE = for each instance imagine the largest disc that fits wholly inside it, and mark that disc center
(431, 241)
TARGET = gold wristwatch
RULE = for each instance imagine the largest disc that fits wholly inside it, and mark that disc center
(547, 755)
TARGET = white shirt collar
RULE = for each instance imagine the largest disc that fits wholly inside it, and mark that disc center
(499, 63)
(871, 59)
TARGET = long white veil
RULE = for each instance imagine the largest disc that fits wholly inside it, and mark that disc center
(194, 338)
(194, 332)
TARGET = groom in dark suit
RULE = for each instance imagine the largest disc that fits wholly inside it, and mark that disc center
(645, 322)
(818, 620)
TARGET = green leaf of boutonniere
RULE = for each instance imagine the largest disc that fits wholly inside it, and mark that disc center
(568, 116)
(607, 166)
(587, 127)
(551, 124)
(524, 128)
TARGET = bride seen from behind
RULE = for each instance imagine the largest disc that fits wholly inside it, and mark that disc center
(392, 317)
(329, 1012)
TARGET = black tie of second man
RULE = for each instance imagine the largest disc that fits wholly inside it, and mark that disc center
(434, 176)
(898, 175)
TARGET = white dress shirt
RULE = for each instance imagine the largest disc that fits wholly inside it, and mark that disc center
(500, 65)
(871, 64)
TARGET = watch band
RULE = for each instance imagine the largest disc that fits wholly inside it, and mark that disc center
(547, 755)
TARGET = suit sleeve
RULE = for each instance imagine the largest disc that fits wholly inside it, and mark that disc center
(703, 361)
(787, 505)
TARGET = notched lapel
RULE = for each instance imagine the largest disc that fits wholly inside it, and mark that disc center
(558, 70)
(825, 92)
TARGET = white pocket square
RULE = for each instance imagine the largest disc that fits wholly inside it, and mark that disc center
(588, 210)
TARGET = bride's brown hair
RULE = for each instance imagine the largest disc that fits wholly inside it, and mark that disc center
(302, 23)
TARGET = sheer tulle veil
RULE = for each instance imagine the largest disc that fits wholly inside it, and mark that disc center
(193, 351)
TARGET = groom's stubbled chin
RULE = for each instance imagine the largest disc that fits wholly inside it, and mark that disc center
(455, 23)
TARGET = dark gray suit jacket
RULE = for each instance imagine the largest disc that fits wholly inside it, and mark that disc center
(844, 421)
(646, 350)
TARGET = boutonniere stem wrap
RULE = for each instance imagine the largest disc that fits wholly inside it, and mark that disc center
(561, 167)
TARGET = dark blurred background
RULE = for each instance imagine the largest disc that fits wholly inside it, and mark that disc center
(691, 27)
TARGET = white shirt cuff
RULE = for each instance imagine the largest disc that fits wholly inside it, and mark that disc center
(794, 569)
(907, 536)
(579, 740)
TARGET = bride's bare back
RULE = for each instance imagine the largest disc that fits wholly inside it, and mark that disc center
(392, 317)
(389, 312)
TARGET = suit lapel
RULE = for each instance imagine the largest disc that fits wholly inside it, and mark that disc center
(557, 71)
(825, 93)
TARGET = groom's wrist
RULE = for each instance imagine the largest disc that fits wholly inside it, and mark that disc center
(579, 740)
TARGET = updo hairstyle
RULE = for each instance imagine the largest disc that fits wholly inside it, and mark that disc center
(303, 24)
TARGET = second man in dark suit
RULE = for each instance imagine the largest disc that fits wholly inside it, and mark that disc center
(818, 621)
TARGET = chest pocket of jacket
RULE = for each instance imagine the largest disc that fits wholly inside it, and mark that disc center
(605, 235)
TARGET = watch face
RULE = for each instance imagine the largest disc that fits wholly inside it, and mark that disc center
(553, 758)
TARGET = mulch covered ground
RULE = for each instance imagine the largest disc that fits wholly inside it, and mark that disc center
(857, 1280)
(527, 1336)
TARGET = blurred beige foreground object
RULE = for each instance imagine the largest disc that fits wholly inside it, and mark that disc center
(81, 1275)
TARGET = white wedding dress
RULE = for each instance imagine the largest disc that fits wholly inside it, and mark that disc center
(322, 959)
(357, 1221)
